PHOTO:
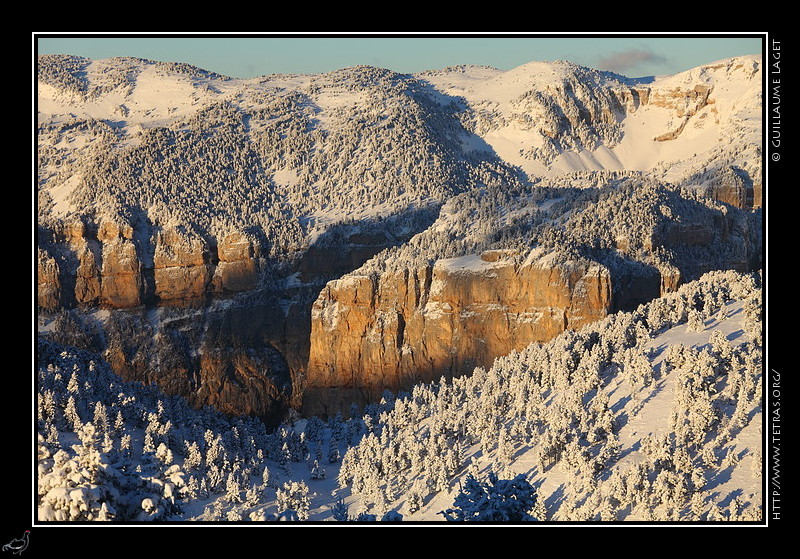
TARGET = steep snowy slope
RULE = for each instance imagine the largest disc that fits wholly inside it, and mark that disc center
(553, 118)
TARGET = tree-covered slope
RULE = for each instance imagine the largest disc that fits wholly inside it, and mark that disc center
(650, 415)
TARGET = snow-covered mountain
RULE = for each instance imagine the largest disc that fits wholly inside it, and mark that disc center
(555, 118)
(576, 249)
(363, 140)
(279, 154)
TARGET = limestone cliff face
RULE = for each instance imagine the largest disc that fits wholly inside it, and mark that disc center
(370, 334)
(121, 274)
(737, 188)
(180, 265)
(246, 358)
(48, 285)
(237, 269)
(112, 265)
(87, 276)
(683, 101)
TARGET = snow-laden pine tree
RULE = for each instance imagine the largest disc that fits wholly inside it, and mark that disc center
(293, 496)
(496, 500)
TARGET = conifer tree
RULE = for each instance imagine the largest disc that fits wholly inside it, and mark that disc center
(339, 511)
(494, 501)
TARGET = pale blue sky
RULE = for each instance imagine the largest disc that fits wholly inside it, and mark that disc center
(255, 55)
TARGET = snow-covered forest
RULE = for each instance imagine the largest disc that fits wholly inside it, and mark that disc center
(263, 158)
(647, 415)
(595, 216)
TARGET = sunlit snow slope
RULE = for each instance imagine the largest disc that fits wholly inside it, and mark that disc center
(582, 119)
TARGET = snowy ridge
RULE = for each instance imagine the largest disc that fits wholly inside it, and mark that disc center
(515, 108)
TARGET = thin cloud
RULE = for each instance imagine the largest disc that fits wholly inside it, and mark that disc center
(621, 62)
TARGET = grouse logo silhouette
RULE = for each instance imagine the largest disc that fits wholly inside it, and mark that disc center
(18, 545)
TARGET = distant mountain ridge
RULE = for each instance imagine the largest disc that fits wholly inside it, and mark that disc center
(401, 138)
(552, 118)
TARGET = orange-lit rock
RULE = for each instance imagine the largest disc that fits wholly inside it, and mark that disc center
(47, 282)
(181, 265)
(370, 333)
(87, 277)
(121, 284)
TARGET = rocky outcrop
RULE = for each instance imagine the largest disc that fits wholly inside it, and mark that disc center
(684, 104)
(87, 276)
(736, 187)
(181, 265)
(92, 264)
(121, 274)
(670, 279)
(370, 333)
(237, 269)
(113, 265)
(109, 230)
(48, 285)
